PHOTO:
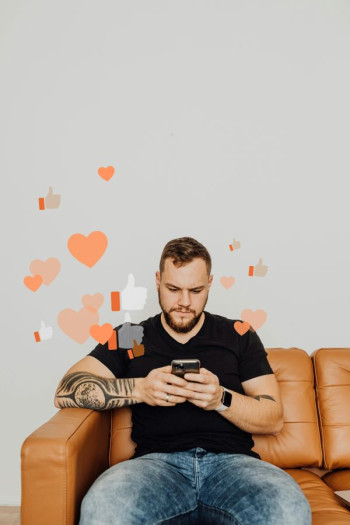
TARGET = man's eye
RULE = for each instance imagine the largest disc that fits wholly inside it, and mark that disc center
(172, 289)
(196, 291)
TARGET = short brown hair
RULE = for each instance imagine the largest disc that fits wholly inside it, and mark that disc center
(184, 250)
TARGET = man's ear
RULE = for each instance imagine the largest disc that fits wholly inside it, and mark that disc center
(210, 279)
(157, 280)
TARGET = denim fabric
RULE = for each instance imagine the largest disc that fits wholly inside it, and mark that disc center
(195, 487)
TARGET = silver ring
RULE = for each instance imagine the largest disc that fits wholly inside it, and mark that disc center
(167, 398)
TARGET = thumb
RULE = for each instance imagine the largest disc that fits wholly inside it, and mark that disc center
(42, 325)
(260, 262)
(131, 281)
(127, 318)
(135, 342)
(50, 190)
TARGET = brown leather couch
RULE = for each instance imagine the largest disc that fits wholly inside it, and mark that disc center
(62, 458)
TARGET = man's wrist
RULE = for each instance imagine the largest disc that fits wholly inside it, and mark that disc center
(137, 394)
(225, 402)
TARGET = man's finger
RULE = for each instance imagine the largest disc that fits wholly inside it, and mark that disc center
(173, 379)
(166, 368)
(197, 378)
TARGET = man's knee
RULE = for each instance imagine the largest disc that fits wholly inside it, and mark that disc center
(288, 505)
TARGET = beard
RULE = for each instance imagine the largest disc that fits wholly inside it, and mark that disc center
(184, 326)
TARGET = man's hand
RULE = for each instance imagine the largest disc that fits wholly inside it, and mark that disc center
(205, 389)
(160, 384)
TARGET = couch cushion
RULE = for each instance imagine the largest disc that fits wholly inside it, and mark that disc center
(332, 376)
(298, 444)
(338, 479)
(325, 506)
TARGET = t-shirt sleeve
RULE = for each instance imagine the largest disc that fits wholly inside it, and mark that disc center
(114, 360)
(253, 357)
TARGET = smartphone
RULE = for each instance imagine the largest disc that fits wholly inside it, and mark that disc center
(180, 367)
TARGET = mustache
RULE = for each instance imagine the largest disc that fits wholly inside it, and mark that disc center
(182, 310)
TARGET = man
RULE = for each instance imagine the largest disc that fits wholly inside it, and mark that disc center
(193, 461)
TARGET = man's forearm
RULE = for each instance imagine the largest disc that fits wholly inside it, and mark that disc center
(256, 415)
(86, 390)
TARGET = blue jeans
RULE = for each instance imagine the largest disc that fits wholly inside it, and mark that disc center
(195, 487)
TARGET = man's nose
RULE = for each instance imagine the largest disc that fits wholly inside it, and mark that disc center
(184, 299)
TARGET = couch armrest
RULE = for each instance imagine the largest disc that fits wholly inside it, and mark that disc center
(59, 462)
(338, 479)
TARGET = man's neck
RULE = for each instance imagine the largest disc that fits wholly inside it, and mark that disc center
(179, 337)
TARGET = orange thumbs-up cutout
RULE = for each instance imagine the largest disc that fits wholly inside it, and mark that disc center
(138, 350)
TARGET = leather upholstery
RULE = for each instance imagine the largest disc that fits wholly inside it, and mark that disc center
(332, 378)
(298, 444)
(60, 461)
(62, 458)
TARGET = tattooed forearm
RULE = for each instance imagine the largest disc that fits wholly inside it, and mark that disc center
(265, 397)
(85, 390)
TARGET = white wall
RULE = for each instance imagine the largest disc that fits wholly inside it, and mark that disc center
(222, 118)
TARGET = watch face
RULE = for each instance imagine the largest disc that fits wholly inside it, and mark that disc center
(226, 398)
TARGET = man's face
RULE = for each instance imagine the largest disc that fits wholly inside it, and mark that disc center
(183, 293)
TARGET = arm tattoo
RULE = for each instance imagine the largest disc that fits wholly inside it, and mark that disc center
(85, 390)
(265, 397)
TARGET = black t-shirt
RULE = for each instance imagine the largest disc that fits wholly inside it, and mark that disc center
(221, 350)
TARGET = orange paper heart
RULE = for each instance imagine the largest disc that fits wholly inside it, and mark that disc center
(227, 282)
(241, 328)
(33, 282)
(47, 269)
(106, 173)
(256, 319)
(93, 302)
(77, 324)
(88, 250)
(101, 334)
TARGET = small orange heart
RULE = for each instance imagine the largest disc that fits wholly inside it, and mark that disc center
(106, 173)
(241, 328)
(101, 334)
(33, 282)
(227, 282)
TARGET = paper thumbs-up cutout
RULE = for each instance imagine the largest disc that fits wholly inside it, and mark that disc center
(44, 334)
(132, 297)
(127, 317)
(51, 201)
(259, 270)
(235, 245)
(138, 350)
(127, 334)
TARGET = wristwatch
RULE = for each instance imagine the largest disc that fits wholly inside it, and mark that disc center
(225, 400)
